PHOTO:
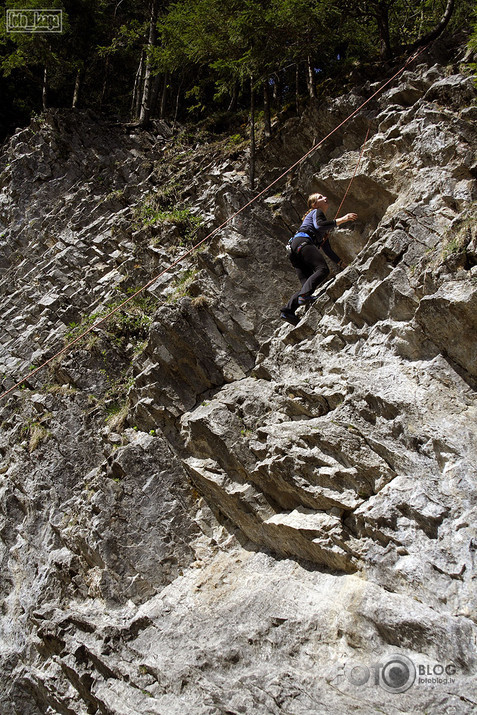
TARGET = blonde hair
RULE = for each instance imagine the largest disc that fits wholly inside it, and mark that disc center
(310, 201)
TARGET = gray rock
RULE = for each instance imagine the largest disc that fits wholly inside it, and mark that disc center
(203, 510)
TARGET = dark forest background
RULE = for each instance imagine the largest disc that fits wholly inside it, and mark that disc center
(214, 63)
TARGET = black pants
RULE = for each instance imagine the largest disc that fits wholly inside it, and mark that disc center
(311, 269)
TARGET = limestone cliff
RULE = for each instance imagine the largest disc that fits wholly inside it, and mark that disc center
(203, 510)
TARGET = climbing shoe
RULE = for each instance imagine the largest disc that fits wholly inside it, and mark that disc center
(289, 317)
(307, 299)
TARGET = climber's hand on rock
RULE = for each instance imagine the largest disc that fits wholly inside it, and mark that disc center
(346, 218)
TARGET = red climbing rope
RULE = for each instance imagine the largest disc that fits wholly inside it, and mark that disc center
(67, 347)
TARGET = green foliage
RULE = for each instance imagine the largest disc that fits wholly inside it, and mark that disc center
(126, 38)
(116, 413)
(205, 52)
(128, 324)
(35, 432)
(151, 213)
(473, 41)
(185, 221)
(234, 141)
(236, 40)
(453, 246)
(457, 240)
(27, 50)
(146, 213)
(182, 284)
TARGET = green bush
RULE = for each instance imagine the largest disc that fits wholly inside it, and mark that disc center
(152, 213)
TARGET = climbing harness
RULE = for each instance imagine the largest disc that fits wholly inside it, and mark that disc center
(289, 248)
(194, 248)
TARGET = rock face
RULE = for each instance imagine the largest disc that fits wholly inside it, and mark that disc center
(203, 510)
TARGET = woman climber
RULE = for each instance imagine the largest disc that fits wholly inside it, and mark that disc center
(307, 260)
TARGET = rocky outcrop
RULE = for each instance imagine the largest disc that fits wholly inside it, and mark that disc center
(203, 510)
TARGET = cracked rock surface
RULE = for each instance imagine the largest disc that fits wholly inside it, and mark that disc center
(203, 510)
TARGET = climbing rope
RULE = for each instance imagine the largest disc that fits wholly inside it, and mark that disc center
(194, 248)
(327, 234)
(354, 174)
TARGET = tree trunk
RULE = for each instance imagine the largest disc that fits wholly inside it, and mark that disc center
(252, 134)
(176, 110)
(382, 17)
(105, 83)
(44, 90)
(233, 98)
(266, 109)
(77, 89)
(310, 79)
(297, 87)
(155, 92)
(276, 90)
(136, 95)
(162, 110)
(438, 29)
(145, 112)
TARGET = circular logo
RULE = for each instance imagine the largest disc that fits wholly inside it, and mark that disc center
(397, 674)
(359, 675)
